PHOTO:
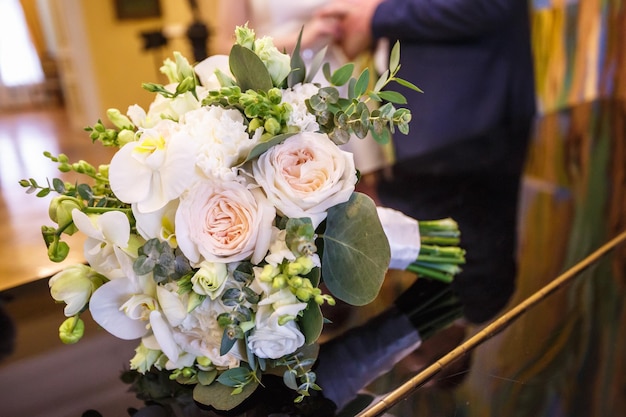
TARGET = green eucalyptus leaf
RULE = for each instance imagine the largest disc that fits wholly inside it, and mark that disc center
(312, 322)
(264, 146)
(220, 396)
(298, 67)
(207, 377)
(384, 137)
(235, 376)
(380, 83)
(289, 379)
(392, 97)
(362, 83)
(356, 251)
(316, 64)
(394, 58)
(58, 185)
(408, 84)
(248, 69)
(326, 71)
(342, 74)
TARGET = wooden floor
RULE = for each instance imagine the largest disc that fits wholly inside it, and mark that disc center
(24, 136)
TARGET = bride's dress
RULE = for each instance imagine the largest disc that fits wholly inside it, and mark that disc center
(277, 18)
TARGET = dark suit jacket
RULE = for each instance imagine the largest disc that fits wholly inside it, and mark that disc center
(472, 58)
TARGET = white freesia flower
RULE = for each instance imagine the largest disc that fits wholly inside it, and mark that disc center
(277, 63)
(224, 222)
(300, 117)
(74, 286)
(221, 139)
(305, 176)
(109, 248)
(154, 170)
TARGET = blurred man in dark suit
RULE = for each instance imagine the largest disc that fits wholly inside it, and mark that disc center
(470, 129)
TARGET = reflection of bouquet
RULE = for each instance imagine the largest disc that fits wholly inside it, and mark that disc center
(225, 206)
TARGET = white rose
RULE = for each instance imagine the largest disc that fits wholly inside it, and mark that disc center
(306, 175)
(224, 222)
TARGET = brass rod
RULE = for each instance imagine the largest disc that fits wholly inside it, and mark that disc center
(488, 332)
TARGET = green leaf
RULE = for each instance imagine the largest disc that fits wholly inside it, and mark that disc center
(326, 71)
(392, 97)
(408, 84)
(220, 396)
(311, 322)
(264, 146)
(298, 67)
(248, 69)
(289, 379)
(356, 251)
(234, 376)
(381, 81)
(362, 83)
(394, 58)
(342, 74)
(316, 63)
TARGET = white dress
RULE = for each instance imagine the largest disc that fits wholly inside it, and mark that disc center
(278, 18)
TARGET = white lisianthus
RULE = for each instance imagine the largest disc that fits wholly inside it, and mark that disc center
(144, 358)
(305, 176)
(277, 63)
(276, 333)
(221, 139)
(74, 286)
(299, 116)
(157, 224)
(224, 222)
(154, 170)
(110, 248)
(209, 280)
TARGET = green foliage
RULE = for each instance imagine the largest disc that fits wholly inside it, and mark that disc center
(248, 69)
(356, 251)
(162, 260)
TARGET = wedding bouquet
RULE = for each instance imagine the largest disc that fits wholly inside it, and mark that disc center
(227, 204)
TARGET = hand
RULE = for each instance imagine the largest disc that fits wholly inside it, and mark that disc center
(356, 23)
(320, 30)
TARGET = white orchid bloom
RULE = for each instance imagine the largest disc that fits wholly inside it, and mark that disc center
(154, 170)
(158, 224)
(110, 248)
(123, 306)
(206, 71)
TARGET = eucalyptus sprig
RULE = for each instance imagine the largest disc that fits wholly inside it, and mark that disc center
(340, 117)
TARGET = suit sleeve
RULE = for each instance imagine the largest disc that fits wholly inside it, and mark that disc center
(442, 20)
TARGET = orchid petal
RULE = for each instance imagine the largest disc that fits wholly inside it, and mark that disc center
(173, 308)
(105, 306)
(163, 333)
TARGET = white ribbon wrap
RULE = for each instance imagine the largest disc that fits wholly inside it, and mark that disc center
(403, 235)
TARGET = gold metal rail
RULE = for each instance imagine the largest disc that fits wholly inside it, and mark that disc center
(489, 331)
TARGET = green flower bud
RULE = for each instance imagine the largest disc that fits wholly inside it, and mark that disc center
(272, 126)
(275, 95)
(204, 361)
(268, 273)
(282, 320)
(71, 330)
(303, 294)
(279, 282)
(58, 250)
(60, 212)
(255, 124)
(119, 120)
(245, 36)
(184, 69)
(169, 70)
(125, 136)
(296, 282)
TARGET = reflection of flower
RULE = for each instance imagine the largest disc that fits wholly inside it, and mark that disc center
(203, 232)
